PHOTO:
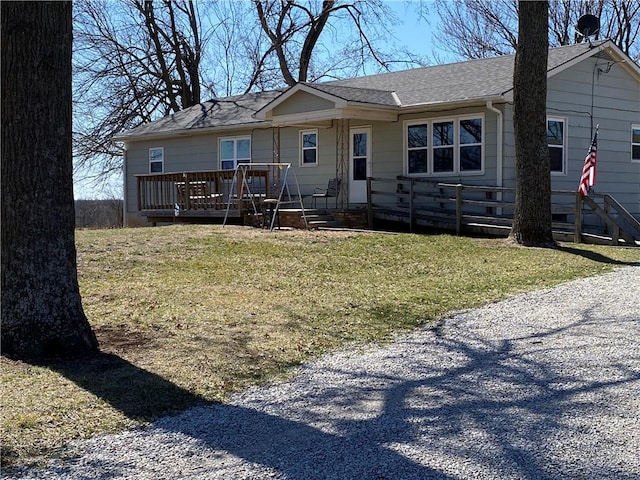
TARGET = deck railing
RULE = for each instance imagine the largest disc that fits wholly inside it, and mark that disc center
(200, 191)
(458, 207)
(620, 224)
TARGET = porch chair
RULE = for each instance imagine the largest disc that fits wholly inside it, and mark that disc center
(331, 191)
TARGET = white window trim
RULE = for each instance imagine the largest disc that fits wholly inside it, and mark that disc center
(565, 137)
(634, 126)
(405, 144)
(161, 162)
(405, 150)
(301, 149)
(456, 119)
(235, 140)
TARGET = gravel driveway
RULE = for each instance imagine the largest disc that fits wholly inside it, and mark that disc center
(542, 386)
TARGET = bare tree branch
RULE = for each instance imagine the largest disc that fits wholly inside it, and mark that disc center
(482, 28)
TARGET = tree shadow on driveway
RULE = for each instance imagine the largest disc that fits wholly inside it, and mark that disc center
(548, 400)
(220, 434)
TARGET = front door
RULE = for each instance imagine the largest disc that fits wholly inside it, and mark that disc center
(359, 163)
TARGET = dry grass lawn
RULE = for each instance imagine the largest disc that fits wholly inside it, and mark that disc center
(186, 315)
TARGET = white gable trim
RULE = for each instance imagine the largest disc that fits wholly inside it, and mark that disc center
(608, 47)
(343, 109)
(265, 113)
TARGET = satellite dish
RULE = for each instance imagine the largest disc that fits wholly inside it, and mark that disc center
(588, 25)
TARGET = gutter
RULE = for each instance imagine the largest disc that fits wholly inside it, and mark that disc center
(442, 106)
(125, 211)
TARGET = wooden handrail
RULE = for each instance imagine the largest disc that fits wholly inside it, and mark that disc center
(450, 203)
(199, 190)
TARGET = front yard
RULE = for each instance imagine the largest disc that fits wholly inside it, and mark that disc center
(190, 314)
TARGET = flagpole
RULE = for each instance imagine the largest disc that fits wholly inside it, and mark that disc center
(588, 177)
(593, 137)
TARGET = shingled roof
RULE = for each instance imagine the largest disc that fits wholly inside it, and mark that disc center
(455, 82)
(358, 94)
(472, 80)
(228, 112)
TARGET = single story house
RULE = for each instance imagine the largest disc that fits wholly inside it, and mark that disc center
(446, 123)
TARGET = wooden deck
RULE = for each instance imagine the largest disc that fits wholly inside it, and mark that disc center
(415, 202)
(204, 194)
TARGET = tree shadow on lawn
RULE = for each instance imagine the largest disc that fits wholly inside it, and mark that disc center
(595, 256)
(449, 404)
(138, 394)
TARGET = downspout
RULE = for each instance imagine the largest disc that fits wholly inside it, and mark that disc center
(499, 150)
(500, 144)
(125, 215)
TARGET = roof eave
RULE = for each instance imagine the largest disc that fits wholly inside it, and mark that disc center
(350, 112)
(185, 132)
(606, 46)
(466, 102)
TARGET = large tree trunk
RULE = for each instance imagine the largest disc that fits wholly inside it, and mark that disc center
(532, 212)
(42, 313)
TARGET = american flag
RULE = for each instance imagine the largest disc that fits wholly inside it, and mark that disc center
(588, 178)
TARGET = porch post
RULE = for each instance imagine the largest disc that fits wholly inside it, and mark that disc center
(276, 144)
(578, 219)
(459, 204)
(342, 162)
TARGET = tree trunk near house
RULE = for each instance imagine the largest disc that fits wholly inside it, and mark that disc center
(532, 211)
(42, 313)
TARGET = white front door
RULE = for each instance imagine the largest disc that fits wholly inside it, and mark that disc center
(359, 163)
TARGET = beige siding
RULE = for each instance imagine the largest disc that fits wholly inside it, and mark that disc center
(262, 145)
(302, 102)
(185, 153)
(611, 95)
(614, 100)
(310, 176)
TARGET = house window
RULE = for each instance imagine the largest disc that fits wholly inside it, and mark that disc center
(635, 143)
(456, 146)
(418, 148)
(234, 150)
(556, 142)
(156, 160)
(471, 144)
(308, 147)
(443, 147)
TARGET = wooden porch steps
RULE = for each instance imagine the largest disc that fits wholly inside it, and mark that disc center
(322, 220)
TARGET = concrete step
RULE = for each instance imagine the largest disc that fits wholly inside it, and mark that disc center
(319, 217)
(322, 220)
(325, 224)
